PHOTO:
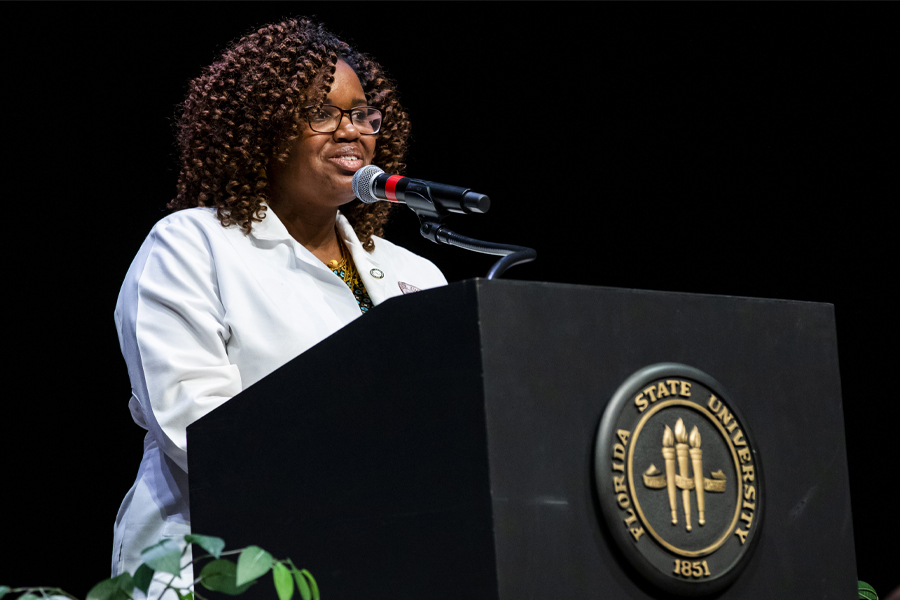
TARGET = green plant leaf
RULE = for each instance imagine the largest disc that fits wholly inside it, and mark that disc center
(252, 564)
(302, 584)
(284, 583)
(28, 597)
(220, 576)
(164, 556)
(4, 590)
(142, 578)
(866, 591)
(213, 545)
(117, 588)
(312, 583)
(188, 596)
(125, 582)
(105, 590)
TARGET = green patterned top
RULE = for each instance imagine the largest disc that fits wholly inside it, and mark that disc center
(346, 270)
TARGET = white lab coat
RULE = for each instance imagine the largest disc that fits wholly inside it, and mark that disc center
(206, 311)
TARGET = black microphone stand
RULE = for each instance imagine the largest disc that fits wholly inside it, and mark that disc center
(431, 216)
(512, 255)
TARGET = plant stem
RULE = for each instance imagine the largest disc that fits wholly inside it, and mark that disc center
(209, 556)
(41, 589)
(169, 585)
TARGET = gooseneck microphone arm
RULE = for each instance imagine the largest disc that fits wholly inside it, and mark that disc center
(432, 203)
(512, 255)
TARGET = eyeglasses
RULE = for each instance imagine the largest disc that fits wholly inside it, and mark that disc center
(327, 119)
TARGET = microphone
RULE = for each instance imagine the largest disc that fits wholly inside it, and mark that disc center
(371, 184)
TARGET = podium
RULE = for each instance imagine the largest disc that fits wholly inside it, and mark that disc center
(443, 445)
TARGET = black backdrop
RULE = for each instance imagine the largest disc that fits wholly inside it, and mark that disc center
(724, 149)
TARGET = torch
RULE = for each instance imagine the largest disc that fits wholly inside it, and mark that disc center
(697, 463)
(681, 449)
(668, 452)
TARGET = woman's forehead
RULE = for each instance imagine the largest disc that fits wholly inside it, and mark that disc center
(346, 87)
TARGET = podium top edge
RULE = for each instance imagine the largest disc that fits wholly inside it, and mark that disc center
(480, 281)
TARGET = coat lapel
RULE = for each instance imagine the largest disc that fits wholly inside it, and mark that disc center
(381, 283)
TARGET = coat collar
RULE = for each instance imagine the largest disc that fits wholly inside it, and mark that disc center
(351, 240)
(377, 278)
(270, 228)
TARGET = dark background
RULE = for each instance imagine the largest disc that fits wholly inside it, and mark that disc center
(743, 150)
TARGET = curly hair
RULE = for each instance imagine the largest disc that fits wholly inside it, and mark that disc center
(243, 111)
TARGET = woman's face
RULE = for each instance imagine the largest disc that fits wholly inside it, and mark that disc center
(320, 167)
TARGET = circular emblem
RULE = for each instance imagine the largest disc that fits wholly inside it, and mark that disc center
(679, 479)
(377, 273)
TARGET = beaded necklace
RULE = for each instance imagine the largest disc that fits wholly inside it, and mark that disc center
(346, 270)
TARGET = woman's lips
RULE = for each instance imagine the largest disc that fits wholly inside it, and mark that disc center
(349, 163)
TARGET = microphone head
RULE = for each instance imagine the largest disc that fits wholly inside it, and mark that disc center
(364, 182)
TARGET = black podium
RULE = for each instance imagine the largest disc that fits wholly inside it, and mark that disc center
(442, 445)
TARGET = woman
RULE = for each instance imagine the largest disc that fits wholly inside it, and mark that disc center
(267, 253)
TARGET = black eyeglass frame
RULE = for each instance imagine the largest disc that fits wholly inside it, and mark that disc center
(349, 114)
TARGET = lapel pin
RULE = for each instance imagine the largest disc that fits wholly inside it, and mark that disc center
(377, 273)
(407, 288)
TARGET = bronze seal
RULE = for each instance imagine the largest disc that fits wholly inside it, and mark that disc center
(679, 479)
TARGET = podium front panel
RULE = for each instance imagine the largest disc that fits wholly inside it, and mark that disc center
(452, 456)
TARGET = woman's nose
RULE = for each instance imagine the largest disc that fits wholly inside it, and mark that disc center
(346, 129)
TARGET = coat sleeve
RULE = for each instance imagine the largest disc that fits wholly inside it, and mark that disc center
(173, 333)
